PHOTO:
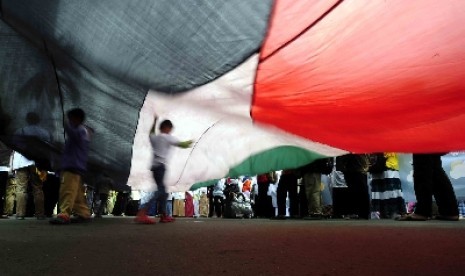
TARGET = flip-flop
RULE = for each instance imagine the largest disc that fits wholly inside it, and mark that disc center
(412, 217)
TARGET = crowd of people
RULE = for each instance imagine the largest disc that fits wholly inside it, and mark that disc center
(374, 188)
(374, 191)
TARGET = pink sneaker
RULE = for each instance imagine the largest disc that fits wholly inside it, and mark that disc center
(142, 218)
(165, 219)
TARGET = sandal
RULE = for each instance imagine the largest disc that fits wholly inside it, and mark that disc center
(412, 217)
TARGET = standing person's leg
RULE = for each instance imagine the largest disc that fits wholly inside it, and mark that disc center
(154, 209)
(169, 208)
(211, 205)
(351, 193)
(159, 175)
(22, 179)
(182, 209)
(313, 193)
(161, 198)
(293, 197)
(303, 202)
(363, 198)
(423, 184)
(111, 202)
(196, 208)
(53, 196)
(396, 203)
(118, 210)
(3, 184)
(203, 207)
(102, 205)
(357, 184)
(38, 193)
(81, 206)
(261, 203)
(142, 216)
(217, 207)
(268, 205)
(281, 194)
(70, 187)
(10, 196)
(377, 199)
(443, 191)
(221, 206)
(176, 207)
(46, 188)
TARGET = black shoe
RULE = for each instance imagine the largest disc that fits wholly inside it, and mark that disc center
(4, 216)
(20, 217)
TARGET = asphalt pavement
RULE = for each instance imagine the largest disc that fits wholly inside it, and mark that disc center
(215, 246)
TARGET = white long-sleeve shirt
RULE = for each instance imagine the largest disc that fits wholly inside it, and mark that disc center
(161, 147)
(20, 161)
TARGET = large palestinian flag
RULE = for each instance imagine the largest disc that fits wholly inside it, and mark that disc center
(258, 84)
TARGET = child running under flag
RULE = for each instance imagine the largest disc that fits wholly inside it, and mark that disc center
(161, 146)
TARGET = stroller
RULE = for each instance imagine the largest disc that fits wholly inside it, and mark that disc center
(237, 205)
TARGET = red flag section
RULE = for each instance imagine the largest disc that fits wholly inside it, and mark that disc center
(366, 76)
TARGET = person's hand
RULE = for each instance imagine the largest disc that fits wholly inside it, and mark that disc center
(185, 144)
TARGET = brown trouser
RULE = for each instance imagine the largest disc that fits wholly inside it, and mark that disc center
(178, 207)
(10, 196)
(312, 182)
(72, 195)
(23, 177)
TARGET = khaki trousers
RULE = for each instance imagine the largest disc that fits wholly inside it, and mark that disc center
(203, 205)
(179, 208)
(72, 195)
(10, 196)
(312, 182)
(23, 177)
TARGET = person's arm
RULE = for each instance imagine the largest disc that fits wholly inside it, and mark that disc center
(10, 163)
(72, 132)
(185, 144)
(182, 144)
(152, 130)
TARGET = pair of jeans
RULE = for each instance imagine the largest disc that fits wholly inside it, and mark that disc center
(158, 173)
(169, 208)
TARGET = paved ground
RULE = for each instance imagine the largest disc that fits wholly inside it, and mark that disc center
(117, 246)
